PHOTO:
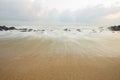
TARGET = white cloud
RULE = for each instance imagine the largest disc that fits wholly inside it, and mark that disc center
(59, 12)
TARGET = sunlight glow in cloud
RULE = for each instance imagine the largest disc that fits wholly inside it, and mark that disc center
(113, 16)
(32, 1)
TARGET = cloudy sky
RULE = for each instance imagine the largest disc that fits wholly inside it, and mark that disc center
(59, 12)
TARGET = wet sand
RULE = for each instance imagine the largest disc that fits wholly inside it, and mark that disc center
(43, 59)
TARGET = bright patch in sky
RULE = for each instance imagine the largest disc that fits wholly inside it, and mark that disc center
(32, 1)
(62, 5)
(113, 16)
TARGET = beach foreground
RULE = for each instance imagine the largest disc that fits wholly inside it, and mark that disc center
(56, 59)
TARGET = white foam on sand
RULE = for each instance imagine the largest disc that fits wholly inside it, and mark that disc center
(90, 39)
(58, 34)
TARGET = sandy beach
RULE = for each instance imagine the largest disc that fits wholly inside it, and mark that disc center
(60, 59)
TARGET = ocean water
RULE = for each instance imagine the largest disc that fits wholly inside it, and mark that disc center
(55, 32)
(92, 38)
